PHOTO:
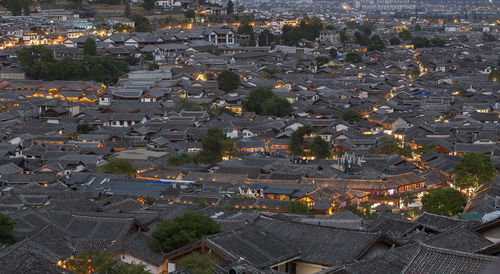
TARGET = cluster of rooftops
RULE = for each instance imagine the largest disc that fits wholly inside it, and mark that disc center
(51, 188)
(55, 222)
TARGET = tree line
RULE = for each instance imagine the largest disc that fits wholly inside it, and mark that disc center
(40, 64)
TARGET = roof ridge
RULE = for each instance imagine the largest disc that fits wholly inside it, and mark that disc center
(320, 226)
(456, 252)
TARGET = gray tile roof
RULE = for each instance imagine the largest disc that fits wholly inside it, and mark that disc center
(318, 244)
(437, 260)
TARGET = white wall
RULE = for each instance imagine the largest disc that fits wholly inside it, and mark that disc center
(305, 268)
(149, 267)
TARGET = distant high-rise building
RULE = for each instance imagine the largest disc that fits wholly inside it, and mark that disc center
(387, 5)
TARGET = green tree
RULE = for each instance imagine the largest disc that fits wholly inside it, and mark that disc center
(343, 37)
(251, 40)
(149, 5)
(376, 43)
(405, 35)
(153, 66)
(120, 27)
(265, 38)
(117, 166)
(414, 73)
(276, 106)
(89, 47)
(320, 148)
(437, 42)
(494, 76)
(444, 201)
(488, 37)
(392, 145)
(364, 212)
(333, 52)
(407, 198)
(230, 7)
(180, 160)
(322, 60)
(425, 149)
(394, 41)
(353, 57)
(83, 128)
(15, 7)
(309, 29)
(263, 102)
(149, 200)
(256, 98)
(182, 230)
(473, 170)
(141, 24)
(6, 227)
(228, 80)
(189, 13)
(30, 56)
(245, 28)
(197, 263)
(26, 7)
(351, 116)
(143, 27)
(366, 28)
(298, 207)
(270, 70)
(420, 42)
(100, 261)
(296, 145)
(215, 146)
(361, 39)
(148, 56)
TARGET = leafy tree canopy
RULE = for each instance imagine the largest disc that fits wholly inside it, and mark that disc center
(494, 76)
(444, 201)
(120, 27)
(245, 29)
(266, 38)
(83, 128)
(309, 29)
(353, 57)
(333, 52)
(100, 261)
(182, 230)
(322, 60)
(296, 145)
(264, 102)
(320, 148)
(407, 198)
(364, 212)
(405, 35)
(392, 145)
(351, 116)
(488, 37)
(473, 170)
(230, 7)
(394, 41)
(41, 65)
(141, 24)
(6, 227)
(228, 80)
(197, 263)
(215, 146)
(117, 166)
(298, 207)
(89, 47)
(180, 160)
(149, 5)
